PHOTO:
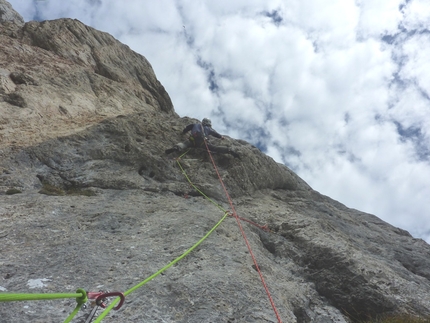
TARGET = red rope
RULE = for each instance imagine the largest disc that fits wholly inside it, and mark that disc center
(244, 237)
(262, 227)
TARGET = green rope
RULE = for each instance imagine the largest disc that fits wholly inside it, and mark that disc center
(81, 301)
(109, 308)
(195, 187)
(80, 295)
(9, 297)
(75, 311)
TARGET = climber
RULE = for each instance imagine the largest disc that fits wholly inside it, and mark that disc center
(199, 134)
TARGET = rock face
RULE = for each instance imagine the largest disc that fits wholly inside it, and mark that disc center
(59, 77)
(84, 123)
(7, 14)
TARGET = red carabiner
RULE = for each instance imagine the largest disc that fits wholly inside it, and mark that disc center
(100, 296)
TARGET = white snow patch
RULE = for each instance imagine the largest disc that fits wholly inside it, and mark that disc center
(3, 289)
(37, 283)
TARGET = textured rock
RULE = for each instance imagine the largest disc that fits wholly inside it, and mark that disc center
(8, 14)
(61, 76)
(89, 200)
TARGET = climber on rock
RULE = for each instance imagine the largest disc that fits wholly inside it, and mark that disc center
(199, 134)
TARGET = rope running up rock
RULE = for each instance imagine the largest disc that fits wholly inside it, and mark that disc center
(244, 236)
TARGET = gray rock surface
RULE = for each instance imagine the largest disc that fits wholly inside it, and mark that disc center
(88, 199)
(8, 14)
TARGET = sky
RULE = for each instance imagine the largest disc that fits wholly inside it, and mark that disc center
(339, 90)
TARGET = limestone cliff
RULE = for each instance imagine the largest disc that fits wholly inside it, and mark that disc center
(89, 200)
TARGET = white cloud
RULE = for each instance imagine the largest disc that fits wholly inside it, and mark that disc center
(416, 15)
(337, 90)
(417, 64)
(379, 17)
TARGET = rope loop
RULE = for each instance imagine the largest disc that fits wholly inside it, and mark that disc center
(83, 299)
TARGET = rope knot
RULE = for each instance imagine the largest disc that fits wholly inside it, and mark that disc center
(83, 299)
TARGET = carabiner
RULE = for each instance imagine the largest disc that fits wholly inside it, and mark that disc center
(100, 297)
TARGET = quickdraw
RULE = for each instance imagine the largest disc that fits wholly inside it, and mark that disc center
(100, 299)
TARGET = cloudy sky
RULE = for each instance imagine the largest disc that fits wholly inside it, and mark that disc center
(337, 90)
